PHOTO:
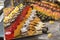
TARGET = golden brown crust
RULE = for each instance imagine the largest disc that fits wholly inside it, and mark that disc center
(8, 10)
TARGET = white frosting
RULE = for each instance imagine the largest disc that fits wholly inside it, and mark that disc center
(7, 33)
(39, 26)
(24, 29)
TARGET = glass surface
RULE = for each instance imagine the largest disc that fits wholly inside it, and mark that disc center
(1, 29)
(1, 17)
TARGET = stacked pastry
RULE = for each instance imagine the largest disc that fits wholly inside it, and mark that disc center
(20, 15)
(11, 15)
(47, 9)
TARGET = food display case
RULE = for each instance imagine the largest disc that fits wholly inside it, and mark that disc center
(27, 18)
